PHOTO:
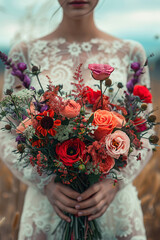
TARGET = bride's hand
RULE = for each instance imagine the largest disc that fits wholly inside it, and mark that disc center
(62, 198)
(95, 200)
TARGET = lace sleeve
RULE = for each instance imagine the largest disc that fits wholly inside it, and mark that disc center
(7, 140)
(134, 166)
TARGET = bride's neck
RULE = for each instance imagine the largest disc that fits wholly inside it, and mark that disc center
(78, 29)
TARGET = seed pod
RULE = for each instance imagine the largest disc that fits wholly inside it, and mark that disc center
(120, 85)
(108, 82)
(9, 92)
(8, 127)
(20, 148)
(152, 118)
(154, 139)
(144, 106)
(110, 90)
(35, 69)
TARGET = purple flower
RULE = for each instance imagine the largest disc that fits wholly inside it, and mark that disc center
(139, 72)
(130, 86)
(44, 108)
(134, 80)
(20, 138)
(26, 81)
(17, 73)
(22, 66)
(24, 117)
(32, 88)
(135, 66)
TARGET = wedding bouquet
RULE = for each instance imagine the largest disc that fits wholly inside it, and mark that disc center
(82, 136)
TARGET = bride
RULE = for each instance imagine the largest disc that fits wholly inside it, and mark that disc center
(78, 40)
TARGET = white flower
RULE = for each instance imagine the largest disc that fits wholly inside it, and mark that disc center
(24, 94)
(86, 46)
(29, 132)
(74, 49)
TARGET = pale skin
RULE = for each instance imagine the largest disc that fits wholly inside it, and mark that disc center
(94, 201)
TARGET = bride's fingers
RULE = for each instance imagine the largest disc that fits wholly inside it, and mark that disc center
(99, 214)
(93, 201)
(61, 214)
(92, 210)
(64, 208)
(68, 202)
(89, 192)
(68, 191)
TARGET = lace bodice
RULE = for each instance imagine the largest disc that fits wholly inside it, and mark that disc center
(58, 59)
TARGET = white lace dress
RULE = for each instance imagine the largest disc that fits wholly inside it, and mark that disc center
(123, 220)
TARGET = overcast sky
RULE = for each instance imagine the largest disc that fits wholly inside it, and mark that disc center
(134, 19)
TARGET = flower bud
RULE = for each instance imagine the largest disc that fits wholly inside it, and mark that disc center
(130, 149)
(9, 92)
(108, 82)
(82, 167)
(22, 66)
(144, 106)
(152, 118)
(8, 127)
(135, 66)
(154, 139)
(35, 69)
(110, 90)
(120, 85)
(20, 148)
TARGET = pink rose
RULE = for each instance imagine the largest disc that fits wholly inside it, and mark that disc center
(100, 71)
(23, 125)
(71, 109)
(117, 144)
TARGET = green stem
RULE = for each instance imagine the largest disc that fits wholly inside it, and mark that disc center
(15, 107)
(39, 83)
(115, 95)
(101, 82)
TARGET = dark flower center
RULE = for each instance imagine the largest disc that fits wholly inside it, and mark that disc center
(71, 151)
(47, 122)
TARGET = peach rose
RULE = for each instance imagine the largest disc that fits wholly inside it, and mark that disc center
(106, 122)
(120, 119)
(117, 144)
(71, 109)
(100, 71)
(23, 125)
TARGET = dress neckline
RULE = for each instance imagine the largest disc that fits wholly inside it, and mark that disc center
(63, 40)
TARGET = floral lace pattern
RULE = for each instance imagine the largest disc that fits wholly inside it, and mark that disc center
(58, 59)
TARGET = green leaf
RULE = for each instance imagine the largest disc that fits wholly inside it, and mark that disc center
(90, 120)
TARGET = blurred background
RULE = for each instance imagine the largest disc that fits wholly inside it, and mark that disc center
(137, 20)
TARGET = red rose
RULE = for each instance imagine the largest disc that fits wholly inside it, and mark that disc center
(143, 93)
(140, 124)
(70, 151)
(91, 95)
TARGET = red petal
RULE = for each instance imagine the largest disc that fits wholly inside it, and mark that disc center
(57, 122)
(38, 117)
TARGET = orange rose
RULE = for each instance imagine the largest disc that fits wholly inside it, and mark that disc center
(71, 109)
(106, 122)
(23, 125)
(120, 119)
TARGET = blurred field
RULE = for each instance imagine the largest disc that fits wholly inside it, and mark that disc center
(148, 183)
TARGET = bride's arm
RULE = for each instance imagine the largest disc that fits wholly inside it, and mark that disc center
(7, 141)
